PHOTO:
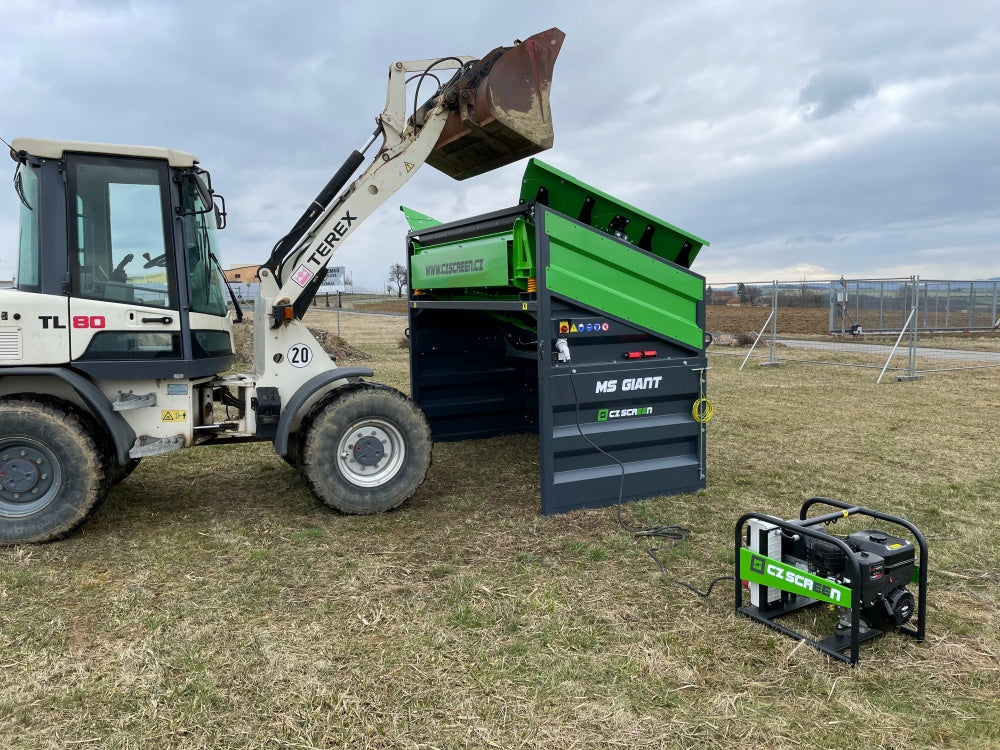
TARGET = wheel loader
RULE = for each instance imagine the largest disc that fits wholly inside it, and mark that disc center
(113, 340)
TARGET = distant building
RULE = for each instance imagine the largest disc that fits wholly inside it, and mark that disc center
(242, 274)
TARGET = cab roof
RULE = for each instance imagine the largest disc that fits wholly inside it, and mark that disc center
(50, 149)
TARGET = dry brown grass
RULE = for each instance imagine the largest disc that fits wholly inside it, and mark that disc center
(212, 603)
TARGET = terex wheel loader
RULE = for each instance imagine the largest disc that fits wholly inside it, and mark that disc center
(112, 341)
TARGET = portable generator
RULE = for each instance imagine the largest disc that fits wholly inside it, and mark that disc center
(786, 566)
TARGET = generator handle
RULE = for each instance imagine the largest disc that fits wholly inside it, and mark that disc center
(836, 515)
(920, 630)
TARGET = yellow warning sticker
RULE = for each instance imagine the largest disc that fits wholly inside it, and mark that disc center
(173, 415)
(573, 329)
(409, 167)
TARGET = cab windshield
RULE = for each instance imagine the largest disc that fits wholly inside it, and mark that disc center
(207, 285)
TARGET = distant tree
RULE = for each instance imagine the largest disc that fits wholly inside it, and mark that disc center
(749, 295)
(398, 279)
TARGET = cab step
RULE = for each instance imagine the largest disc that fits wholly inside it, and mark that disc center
(151, 446)
(126, 401)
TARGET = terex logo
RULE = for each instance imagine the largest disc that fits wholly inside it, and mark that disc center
(333, 236)
(629, 384)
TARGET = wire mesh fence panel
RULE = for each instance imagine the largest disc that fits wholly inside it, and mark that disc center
(908, 326)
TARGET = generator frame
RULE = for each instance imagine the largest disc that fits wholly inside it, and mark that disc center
(834, 645)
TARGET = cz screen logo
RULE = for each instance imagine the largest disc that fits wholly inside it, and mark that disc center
(603, 415)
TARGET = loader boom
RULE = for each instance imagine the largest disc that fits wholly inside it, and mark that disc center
(489, 124)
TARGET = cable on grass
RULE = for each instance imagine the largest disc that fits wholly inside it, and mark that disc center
(674, 533)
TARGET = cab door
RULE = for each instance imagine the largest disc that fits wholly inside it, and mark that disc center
(124, 310)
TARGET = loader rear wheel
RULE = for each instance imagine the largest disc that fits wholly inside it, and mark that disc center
(51, 474)
(367, 450)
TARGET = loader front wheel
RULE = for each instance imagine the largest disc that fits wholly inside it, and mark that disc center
(50, 471)
(367, 450)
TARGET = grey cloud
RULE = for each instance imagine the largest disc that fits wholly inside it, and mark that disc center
(810, 239)
(832, 91)
(680, 114)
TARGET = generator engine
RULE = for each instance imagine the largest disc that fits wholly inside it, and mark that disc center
(788, 565)
(886, 563)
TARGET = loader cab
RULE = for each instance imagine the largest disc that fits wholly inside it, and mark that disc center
(123, 240)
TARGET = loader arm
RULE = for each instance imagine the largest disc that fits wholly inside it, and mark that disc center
(493, 111)
(294, 279)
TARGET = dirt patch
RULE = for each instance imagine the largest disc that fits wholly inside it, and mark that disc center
(387, 305)
(332, 344)
(736, 320)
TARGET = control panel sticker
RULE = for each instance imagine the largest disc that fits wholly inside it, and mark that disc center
(593, 325)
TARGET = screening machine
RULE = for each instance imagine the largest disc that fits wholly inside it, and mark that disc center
(572, 315)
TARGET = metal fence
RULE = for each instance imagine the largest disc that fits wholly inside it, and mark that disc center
(905, 326)
(326, 296)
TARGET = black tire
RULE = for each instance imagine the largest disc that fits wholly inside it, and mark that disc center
(366, 450)
(119, 472)
(51, 471)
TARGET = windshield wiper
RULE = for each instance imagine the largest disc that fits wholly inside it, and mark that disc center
(19, 188)
(232, 294)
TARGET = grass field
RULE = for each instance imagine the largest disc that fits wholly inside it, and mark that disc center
(213, 603)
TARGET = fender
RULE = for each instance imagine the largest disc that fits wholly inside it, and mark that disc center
(304, 393)
(121, 432)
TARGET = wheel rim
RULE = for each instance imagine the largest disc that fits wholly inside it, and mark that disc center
(30, 477)
(371, 452)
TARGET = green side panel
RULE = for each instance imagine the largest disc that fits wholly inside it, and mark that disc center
(775, 574)
(417, 220)
(523, 253)
(580, 201)
(479, 262)
(600, 272)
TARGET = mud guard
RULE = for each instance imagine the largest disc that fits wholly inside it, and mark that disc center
(120, 431)
(303, 394)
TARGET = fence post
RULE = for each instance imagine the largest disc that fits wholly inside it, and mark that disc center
(911, 359)
(881, 305)
(833, 303)
(774, 322)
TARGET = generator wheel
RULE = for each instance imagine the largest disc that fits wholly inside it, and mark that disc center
(51, 471)
(367, 450)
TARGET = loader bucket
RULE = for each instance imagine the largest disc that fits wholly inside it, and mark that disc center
(502, 109)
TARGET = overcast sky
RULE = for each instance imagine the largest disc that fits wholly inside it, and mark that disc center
(802, 139)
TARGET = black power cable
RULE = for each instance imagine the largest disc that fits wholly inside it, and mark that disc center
(672, 532)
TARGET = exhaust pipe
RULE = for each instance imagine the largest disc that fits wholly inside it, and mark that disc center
(501, 112)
